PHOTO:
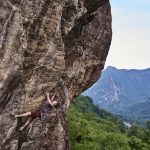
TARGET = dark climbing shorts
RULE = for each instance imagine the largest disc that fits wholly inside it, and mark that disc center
(35, 114)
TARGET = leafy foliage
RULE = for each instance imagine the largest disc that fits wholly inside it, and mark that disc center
(91, 128)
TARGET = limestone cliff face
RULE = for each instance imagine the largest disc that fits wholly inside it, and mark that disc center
(43, 49)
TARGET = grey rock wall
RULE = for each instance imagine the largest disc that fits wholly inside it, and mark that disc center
(42, 50)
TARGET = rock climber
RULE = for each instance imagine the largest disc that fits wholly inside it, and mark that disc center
(40, 112)
(88, 20)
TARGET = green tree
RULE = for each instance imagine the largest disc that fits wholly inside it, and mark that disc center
(147, 134)
(136, 131)
(137, 144)
(115, 142)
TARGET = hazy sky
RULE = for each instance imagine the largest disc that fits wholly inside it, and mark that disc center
(130, 46)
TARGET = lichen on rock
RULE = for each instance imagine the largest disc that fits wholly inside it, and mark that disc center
(43, 49)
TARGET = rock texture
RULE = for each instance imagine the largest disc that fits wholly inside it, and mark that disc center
(42, 49)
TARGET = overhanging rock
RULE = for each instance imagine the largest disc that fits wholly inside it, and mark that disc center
(42, 48)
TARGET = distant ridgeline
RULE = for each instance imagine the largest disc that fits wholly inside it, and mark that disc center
(91, 128)
(123, 92)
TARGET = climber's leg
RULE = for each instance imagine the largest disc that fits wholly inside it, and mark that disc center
(80, 28)
(26, 123)
(23, 115)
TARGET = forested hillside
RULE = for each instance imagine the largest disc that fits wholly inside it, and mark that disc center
(91, 128)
